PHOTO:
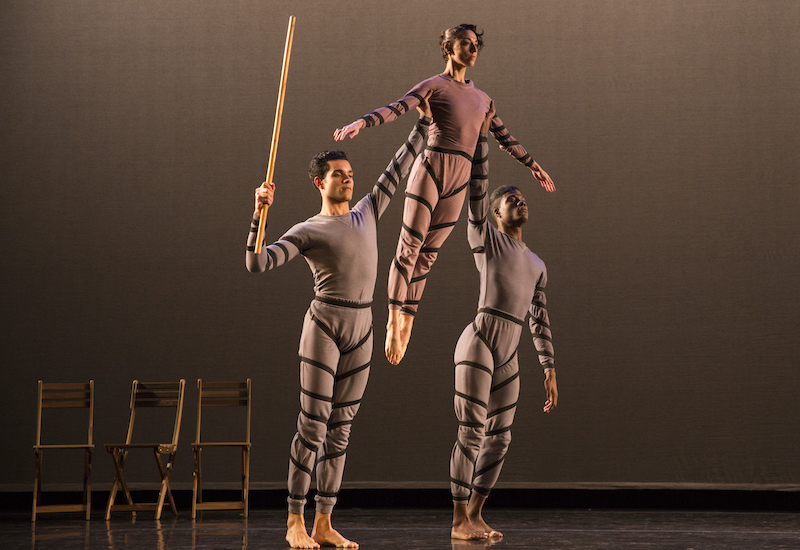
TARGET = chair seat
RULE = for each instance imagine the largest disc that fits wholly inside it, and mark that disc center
(66, 446)
(222, 444)
(162, 447)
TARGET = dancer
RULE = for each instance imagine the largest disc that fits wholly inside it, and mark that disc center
(512, 279)
(437, 185)
(341, 248)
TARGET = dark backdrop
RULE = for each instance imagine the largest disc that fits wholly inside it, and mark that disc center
(134, 132)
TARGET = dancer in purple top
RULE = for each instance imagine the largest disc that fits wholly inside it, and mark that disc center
(437, 185)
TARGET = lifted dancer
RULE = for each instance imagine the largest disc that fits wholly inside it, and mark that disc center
(437, 185)
(341, 248)
(512, 280)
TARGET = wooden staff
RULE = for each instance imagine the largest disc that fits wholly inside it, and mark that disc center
(276, 129)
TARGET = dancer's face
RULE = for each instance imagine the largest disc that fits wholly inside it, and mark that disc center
(513, 209)
(337, 186)
(465, 49)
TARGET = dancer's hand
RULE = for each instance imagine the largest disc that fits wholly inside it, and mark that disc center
(265, 194)
(542, 176)
(487, 122)
(349, 130)
(551, 391)
(424, 107)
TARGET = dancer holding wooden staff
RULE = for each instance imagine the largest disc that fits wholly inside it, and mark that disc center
(437, 185)
(340, 245)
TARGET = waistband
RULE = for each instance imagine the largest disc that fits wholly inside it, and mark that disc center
(341, 303)
(501, 314)
(448, 151)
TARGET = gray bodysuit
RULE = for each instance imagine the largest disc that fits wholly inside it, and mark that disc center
(336, 342)
(512, 279)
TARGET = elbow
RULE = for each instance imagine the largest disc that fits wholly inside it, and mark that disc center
(252, 264)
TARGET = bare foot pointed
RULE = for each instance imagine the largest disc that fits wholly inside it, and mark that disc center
(393, 344)
(406, 324)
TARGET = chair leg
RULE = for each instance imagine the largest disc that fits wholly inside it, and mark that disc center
(246, 480)
(165, 491)
(196, 494)
(37, 483)
(119, 481)
(87, 483)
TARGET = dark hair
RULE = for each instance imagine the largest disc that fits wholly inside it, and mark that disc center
(318, 167)
(498, 194)
(448, 37)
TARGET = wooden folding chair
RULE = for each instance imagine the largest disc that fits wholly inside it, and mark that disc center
(222, 394)
(64, 396)
(148, 395)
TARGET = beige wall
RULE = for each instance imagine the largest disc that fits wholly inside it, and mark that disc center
(133, 133)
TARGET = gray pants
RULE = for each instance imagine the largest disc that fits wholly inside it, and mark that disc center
(487, 390)
(335, 354)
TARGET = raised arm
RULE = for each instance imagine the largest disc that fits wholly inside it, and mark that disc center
(479, 189)
(510, 145)
(400, 166)
(279, 252)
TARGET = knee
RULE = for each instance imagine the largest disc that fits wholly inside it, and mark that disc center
(470, 437)
(499, 441)
(312, 431)
(339, 437)
(425, 261)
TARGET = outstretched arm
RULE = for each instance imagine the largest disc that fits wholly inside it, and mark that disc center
(384, 114)
(510, 145)
(401, 163)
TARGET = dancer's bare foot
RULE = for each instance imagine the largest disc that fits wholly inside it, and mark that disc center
(463, 528)
(326, 535)
(296, 534)
(394, 344)
(480, 524)
(475, 516)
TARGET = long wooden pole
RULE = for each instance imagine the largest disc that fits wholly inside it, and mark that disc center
(276, 129)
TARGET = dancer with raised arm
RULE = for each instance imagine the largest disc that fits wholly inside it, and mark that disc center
(437, 185)
(512, 280)
(341, 248)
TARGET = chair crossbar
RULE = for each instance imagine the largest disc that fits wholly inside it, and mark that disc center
(66, 404)
(149, 403)
(224, 402)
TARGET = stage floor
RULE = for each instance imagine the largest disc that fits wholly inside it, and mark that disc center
(416, 529)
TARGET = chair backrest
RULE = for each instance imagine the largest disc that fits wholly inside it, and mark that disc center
(223, 394)
(65, 396)
(157, 394)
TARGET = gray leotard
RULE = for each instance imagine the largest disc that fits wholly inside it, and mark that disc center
(336, 342)
(512, 279)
